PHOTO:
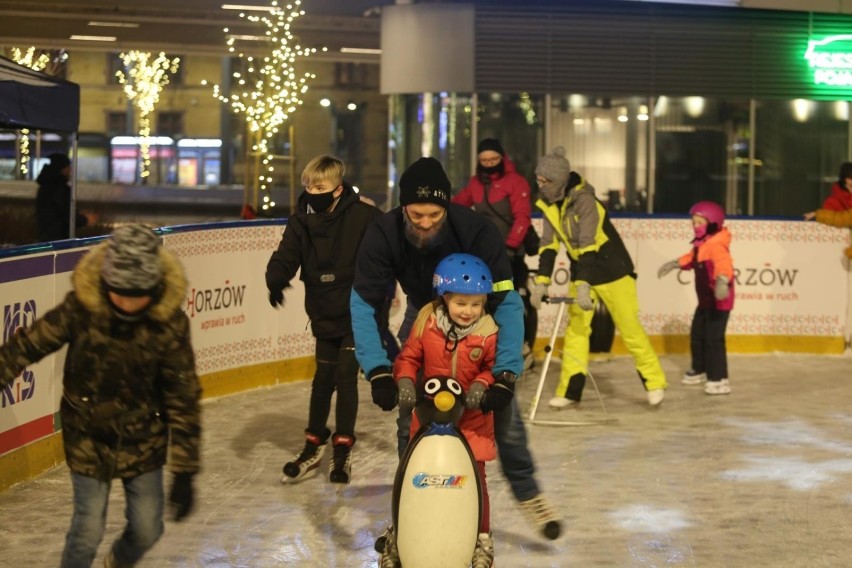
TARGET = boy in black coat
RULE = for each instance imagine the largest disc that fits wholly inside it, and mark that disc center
(322, 238)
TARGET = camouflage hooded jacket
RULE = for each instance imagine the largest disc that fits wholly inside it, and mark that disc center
(129, 387)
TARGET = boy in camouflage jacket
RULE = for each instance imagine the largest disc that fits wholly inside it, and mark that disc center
(131, 393)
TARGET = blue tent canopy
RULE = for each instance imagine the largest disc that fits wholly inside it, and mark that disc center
(29, 99)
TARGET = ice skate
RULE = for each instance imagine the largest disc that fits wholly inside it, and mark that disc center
(717, 387)
(389, 557)
(483, 554)
(306, 461)
(693, 378)
(542, 516)
(655, 397)
(340, 465)
(560, 402)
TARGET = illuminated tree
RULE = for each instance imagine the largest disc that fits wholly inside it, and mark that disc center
(266, 91)
(50, 62)
(143, 79)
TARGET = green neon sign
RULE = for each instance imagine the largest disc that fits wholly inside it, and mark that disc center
(831, 60)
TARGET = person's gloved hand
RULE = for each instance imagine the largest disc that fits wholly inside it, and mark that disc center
(407, 394)
(722, 288)
(537, 293)
(276, 298)
(499, 395)
(181, 496)
(667, 267)
(584, 296)
(383, 388)
(473, 396)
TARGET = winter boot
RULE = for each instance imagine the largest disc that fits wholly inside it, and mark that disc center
(341, 458)
(693, 378)
(308, 460)
(539, 512)
(718, 387)
(483, 553)
(390, 555)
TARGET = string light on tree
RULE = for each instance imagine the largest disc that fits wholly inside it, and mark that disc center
(266, 89)
(143, 79)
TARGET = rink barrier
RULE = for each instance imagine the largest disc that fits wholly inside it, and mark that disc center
(790, 298)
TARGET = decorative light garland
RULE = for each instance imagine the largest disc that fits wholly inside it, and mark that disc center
(266, 89)
(143, 81)
(37, 61)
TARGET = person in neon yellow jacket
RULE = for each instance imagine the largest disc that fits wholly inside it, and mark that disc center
(601, 270)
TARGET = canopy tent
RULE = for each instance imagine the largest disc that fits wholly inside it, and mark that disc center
(29, 99)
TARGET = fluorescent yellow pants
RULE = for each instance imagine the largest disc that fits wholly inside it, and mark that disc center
(622, 302)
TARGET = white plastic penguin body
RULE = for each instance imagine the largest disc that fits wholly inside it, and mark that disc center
(437, 497)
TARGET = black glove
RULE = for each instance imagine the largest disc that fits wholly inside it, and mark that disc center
(383, 387)
(181, 496)
(500, 394)
(276, 298)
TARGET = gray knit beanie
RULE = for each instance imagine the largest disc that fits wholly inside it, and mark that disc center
(132, 261)
(557, 169)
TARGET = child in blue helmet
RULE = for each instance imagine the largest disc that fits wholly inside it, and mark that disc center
(711, 260)
(453, 336)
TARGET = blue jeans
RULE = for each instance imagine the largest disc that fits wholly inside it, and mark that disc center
(509, 433)
(143, 511)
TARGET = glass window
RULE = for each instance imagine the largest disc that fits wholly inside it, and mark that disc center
(800, 145)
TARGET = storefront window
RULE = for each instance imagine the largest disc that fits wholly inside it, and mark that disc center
(800, 145)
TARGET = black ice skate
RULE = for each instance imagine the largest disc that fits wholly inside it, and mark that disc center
(307, 461)
(539, 512)
(340, 466)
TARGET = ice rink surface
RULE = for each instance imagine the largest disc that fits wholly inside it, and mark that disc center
(761, 477)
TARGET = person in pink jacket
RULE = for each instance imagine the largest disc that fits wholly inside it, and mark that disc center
(711, 260)
(453, 336)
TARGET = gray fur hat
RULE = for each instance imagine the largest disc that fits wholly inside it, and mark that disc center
(555, 167)
(132, 261)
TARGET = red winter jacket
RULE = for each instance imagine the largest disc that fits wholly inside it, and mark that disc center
(509, 195)
(471, 361)
(839, 200)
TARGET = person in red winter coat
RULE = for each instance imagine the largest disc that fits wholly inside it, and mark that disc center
(500, 193)
(453, 336)
(837, 208)
(711, 260)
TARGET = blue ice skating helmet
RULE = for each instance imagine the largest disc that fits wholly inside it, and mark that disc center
(462, 274)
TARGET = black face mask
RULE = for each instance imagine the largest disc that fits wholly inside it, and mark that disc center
(320, 202)
(498, 169)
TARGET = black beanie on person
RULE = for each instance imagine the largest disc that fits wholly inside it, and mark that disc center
(59, 160)
(424, 182)
(490, 144)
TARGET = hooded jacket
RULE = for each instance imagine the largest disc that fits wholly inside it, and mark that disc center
(710, 258)
(131, 393)
(324, 245)
(508, 199)
(580, 222)
(425, 353)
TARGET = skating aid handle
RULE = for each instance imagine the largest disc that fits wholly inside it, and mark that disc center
(558, 300)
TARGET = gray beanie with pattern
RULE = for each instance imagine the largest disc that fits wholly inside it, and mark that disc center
(132, 261)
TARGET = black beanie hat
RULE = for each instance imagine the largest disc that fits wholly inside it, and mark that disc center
(59, 160)
(424, 182)
(490, 144)
(845, 172)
